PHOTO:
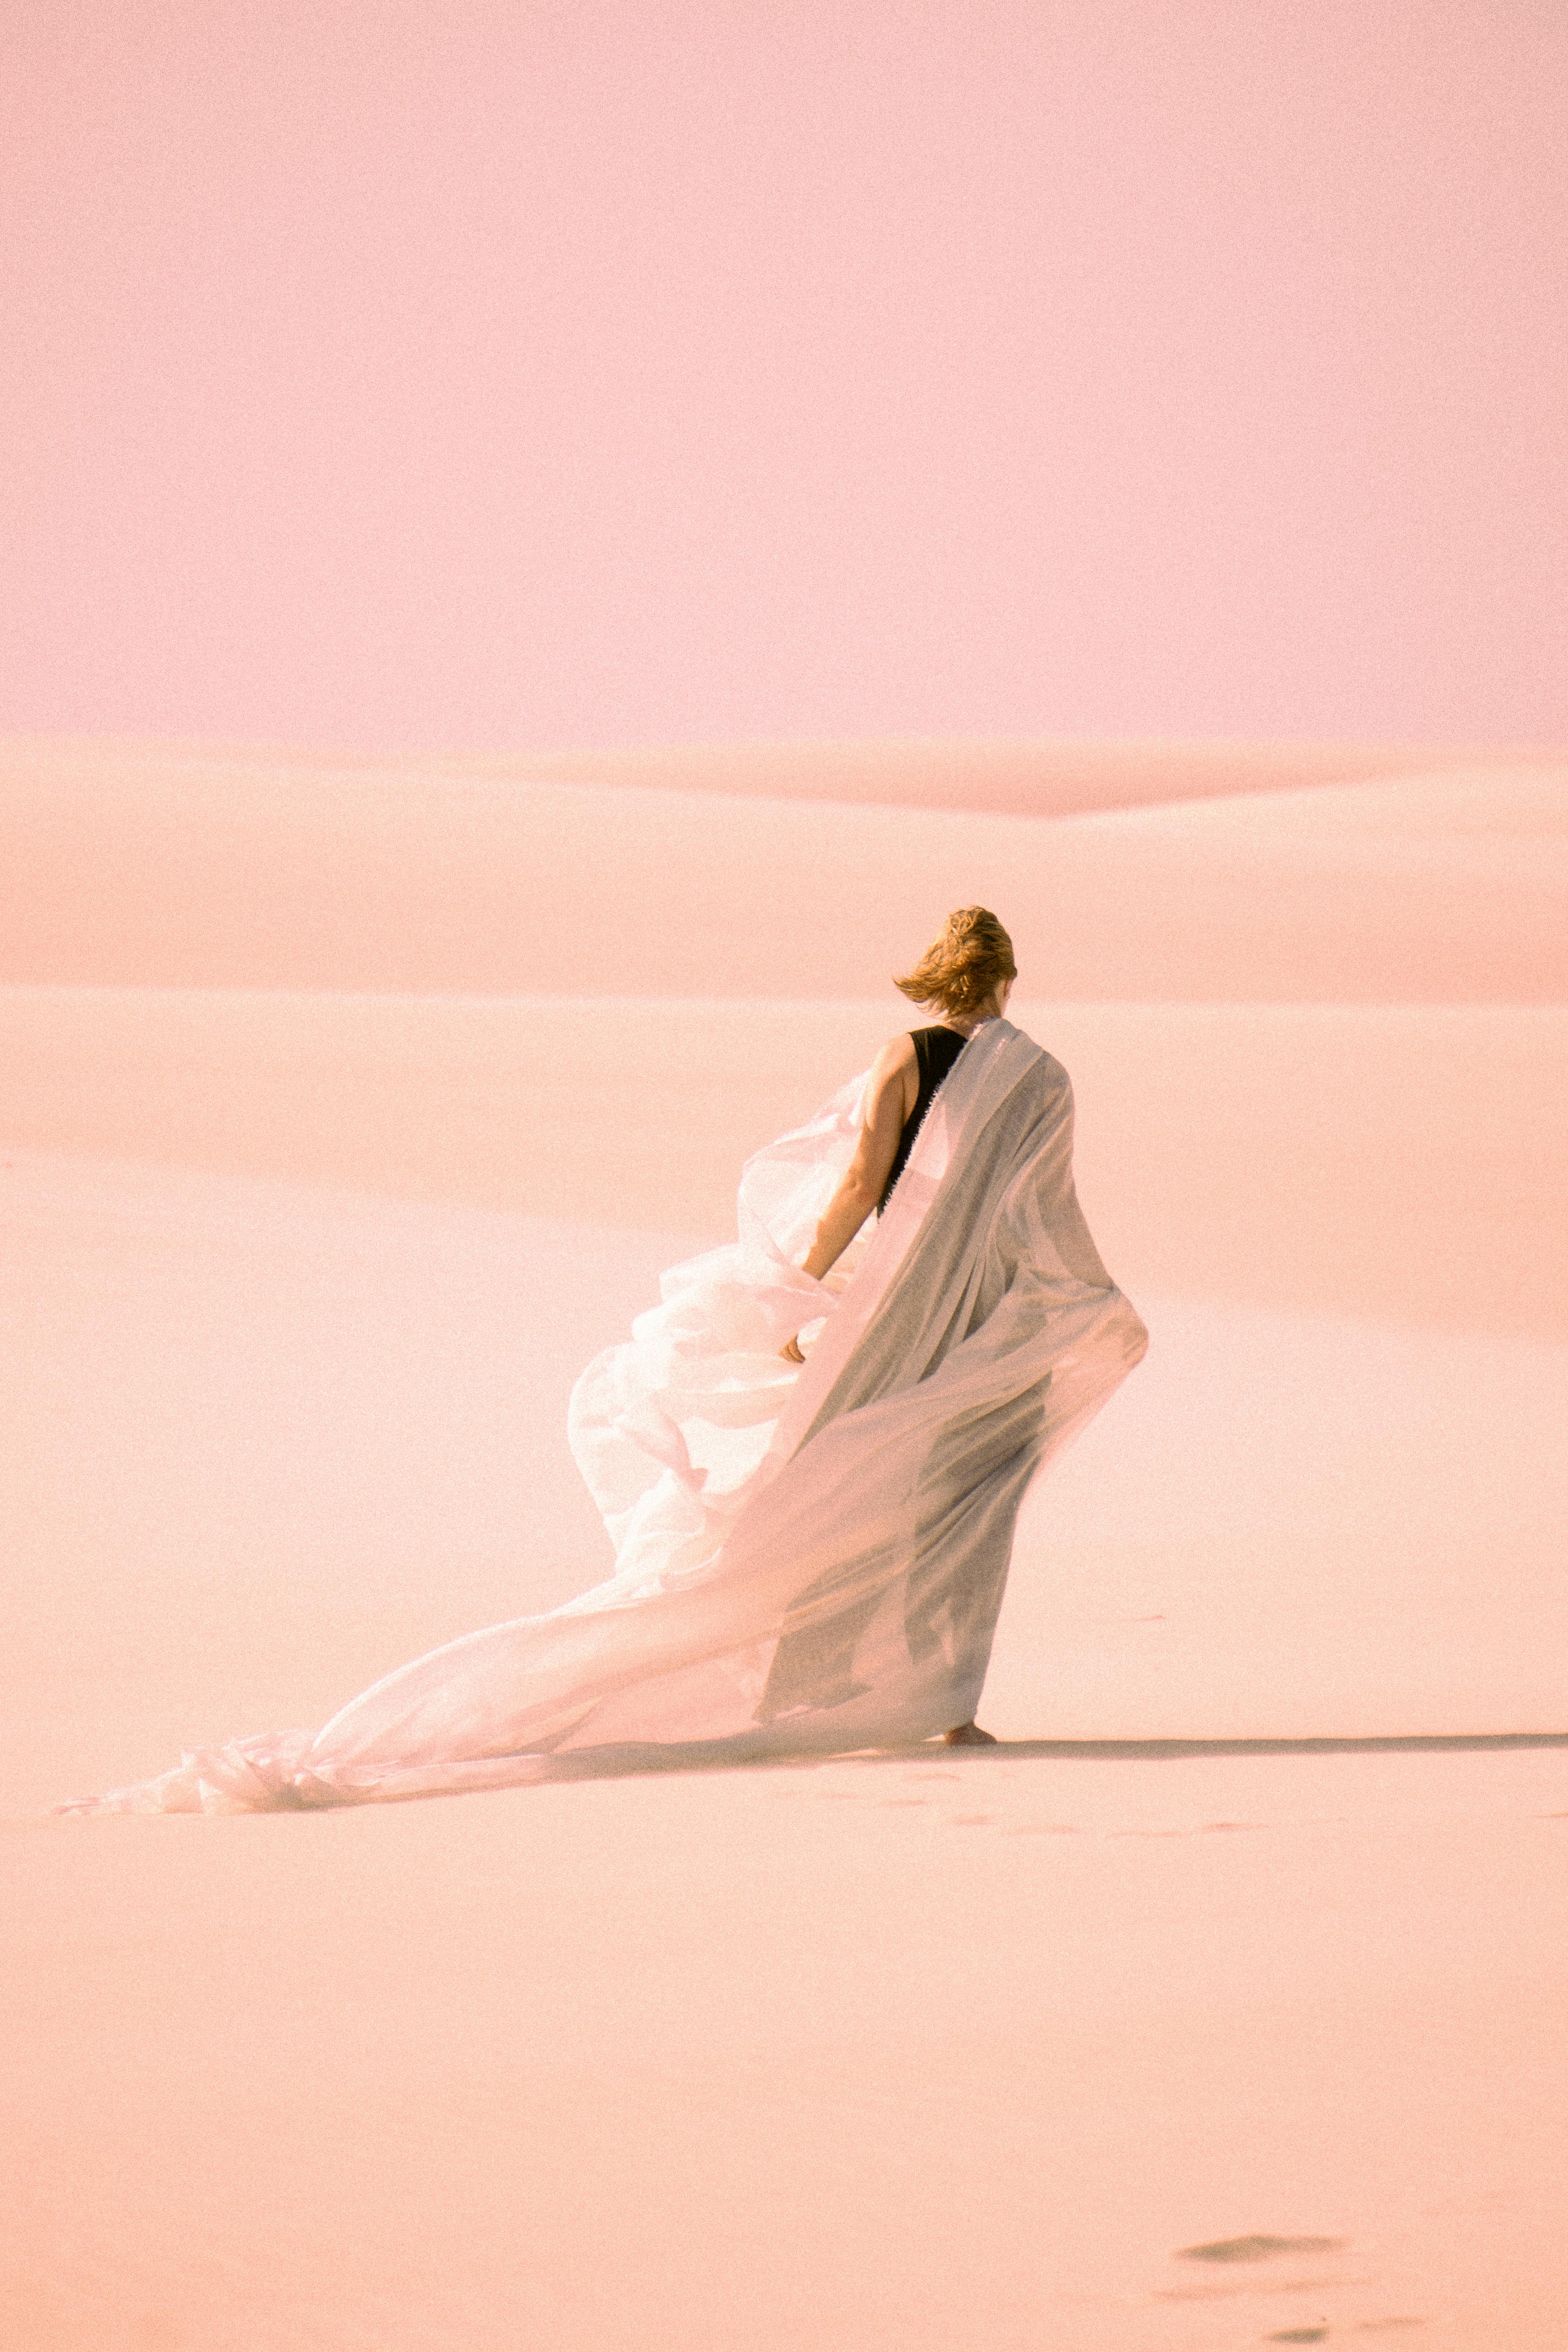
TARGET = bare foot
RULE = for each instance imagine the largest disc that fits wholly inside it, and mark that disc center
(969, 1735)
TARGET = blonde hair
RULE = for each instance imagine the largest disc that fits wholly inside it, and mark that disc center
(971, 956)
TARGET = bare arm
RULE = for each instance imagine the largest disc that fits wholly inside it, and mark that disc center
(891, 1095)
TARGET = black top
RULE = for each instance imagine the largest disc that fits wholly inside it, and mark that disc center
(936, 1050)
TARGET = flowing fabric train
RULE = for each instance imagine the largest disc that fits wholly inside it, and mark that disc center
(805, 1561)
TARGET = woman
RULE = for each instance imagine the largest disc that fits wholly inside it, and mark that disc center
(967, 972)
(809, 1456)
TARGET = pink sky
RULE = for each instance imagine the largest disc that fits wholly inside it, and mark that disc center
(488, 376)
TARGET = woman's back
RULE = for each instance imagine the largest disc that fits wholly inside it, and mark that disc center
(936, 1050)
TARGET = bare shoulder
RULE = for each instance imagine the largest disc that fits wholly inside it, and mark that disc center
(898, 1054)
(895, 1081)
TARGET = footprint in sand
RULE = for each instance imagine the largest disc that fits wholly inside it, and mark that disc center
(1257, 2249)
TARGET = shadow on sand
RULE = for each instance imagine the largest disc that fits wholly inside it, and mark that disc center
(1164, 1751)
(618, 1763)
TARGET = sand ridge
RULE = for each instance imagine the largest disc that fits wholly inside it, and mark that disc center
(134, 871)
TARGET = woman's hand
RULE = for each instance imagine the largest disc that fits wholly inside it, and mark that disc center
(791, 1353)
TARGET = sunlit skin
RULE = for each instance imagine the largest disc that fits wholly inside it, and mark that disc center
(891, 1096)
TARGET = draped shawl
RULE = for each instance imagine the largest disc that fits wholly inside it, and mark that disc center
(806, 1560)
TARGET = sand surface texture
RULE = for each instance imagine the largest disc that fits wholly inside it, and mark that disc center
(347, 1108)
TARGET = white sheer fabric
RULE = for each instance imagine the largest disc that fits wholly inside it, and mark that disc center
(806, 1561)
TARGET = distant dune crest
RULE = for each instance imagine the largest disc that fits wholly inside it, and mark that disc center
(1287, 873)
(1003, 775)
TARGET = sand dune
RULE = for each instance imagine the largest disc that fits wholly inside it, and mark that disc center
(1434, 887)
(347, 1106)
(1017, 778)
(287, 1437)
(1021, 776)
(1398, 1161)
(844, 2057)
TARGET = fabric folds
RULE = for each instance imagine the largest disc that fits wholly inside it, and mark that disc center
(807, 1560)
